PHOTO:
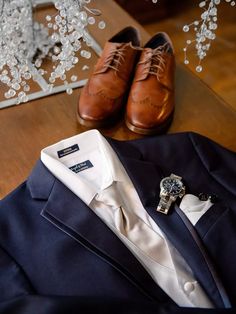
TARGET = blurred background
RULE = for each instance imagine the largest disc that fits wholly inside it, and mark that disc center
(219, 67)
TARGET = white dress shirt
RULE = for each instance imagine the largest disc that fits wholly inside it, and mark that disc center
(89, 167)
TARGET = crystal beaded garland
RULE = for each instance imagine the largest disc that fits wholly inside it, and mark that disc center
(25, 43)
(69, 27)
(20, 38)
(204, 30)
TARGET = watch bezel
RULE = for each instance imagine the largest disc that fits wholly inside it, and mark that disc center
(164, 191)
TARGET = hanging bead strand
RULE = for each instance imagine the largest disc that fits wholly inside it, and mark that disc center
(204, 30)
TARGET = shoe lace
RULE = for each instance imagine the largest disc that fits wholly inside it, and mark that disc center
(155, 64)
(115, 58)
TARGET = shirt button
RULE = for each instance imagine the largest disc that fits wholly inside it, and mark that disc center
(188, 287)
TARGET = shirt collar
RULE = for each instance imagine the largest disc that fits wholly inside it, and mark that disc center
(88, 141)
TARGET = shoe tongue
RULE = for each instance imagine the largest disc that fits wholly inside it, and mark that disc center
(145, 60)
(108, 48)
(146, 54)
(102, 65)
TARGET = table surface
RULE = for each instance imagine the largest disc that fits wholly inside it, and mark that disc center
(26, 129)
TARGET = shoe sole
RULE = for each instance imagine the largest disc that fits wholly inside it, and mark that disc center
(100, 124)
(162, 128)
(90, 124)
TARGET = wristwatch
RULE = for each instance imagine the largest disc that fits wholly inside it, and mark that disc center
(171, 187)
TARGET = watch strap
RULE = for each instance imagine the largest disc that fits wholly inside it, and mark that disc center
(174, 176)
(165, 203)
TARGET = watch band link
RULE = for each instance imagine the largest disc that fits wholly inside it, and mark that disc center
(174, 176)
(165, 203)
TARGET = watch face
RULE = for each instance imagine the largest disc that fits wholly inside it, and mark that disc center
(172, 186)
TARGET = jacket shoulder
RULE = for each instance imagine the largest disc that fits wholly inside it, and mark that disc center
(14, 196)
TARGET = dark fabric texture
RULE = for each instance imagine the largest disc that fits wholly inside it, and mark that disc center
(57, 256)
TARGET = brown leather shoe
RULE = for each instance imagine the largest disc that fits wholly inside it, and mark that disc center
(105, 94)
(150, 104)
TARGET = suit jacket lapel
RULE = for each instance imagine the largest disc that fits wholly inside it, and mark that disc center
(146, 178)
(72, 216)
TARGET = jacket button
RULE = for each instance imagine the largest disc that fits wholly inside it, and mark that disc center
(188, 287)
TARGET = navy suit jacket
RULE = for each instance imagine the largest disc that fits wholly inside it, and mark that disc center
(57, 256)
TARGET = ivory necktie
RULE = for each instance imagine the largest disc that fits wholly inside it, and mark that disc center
(133, 227)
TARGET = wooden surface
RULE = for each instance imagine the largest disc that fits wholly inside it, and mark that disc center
(27, 128)
(220, 65)
(146, 11)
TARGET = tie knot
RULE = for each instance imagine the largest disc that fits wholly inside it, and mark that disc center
(109, 196)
